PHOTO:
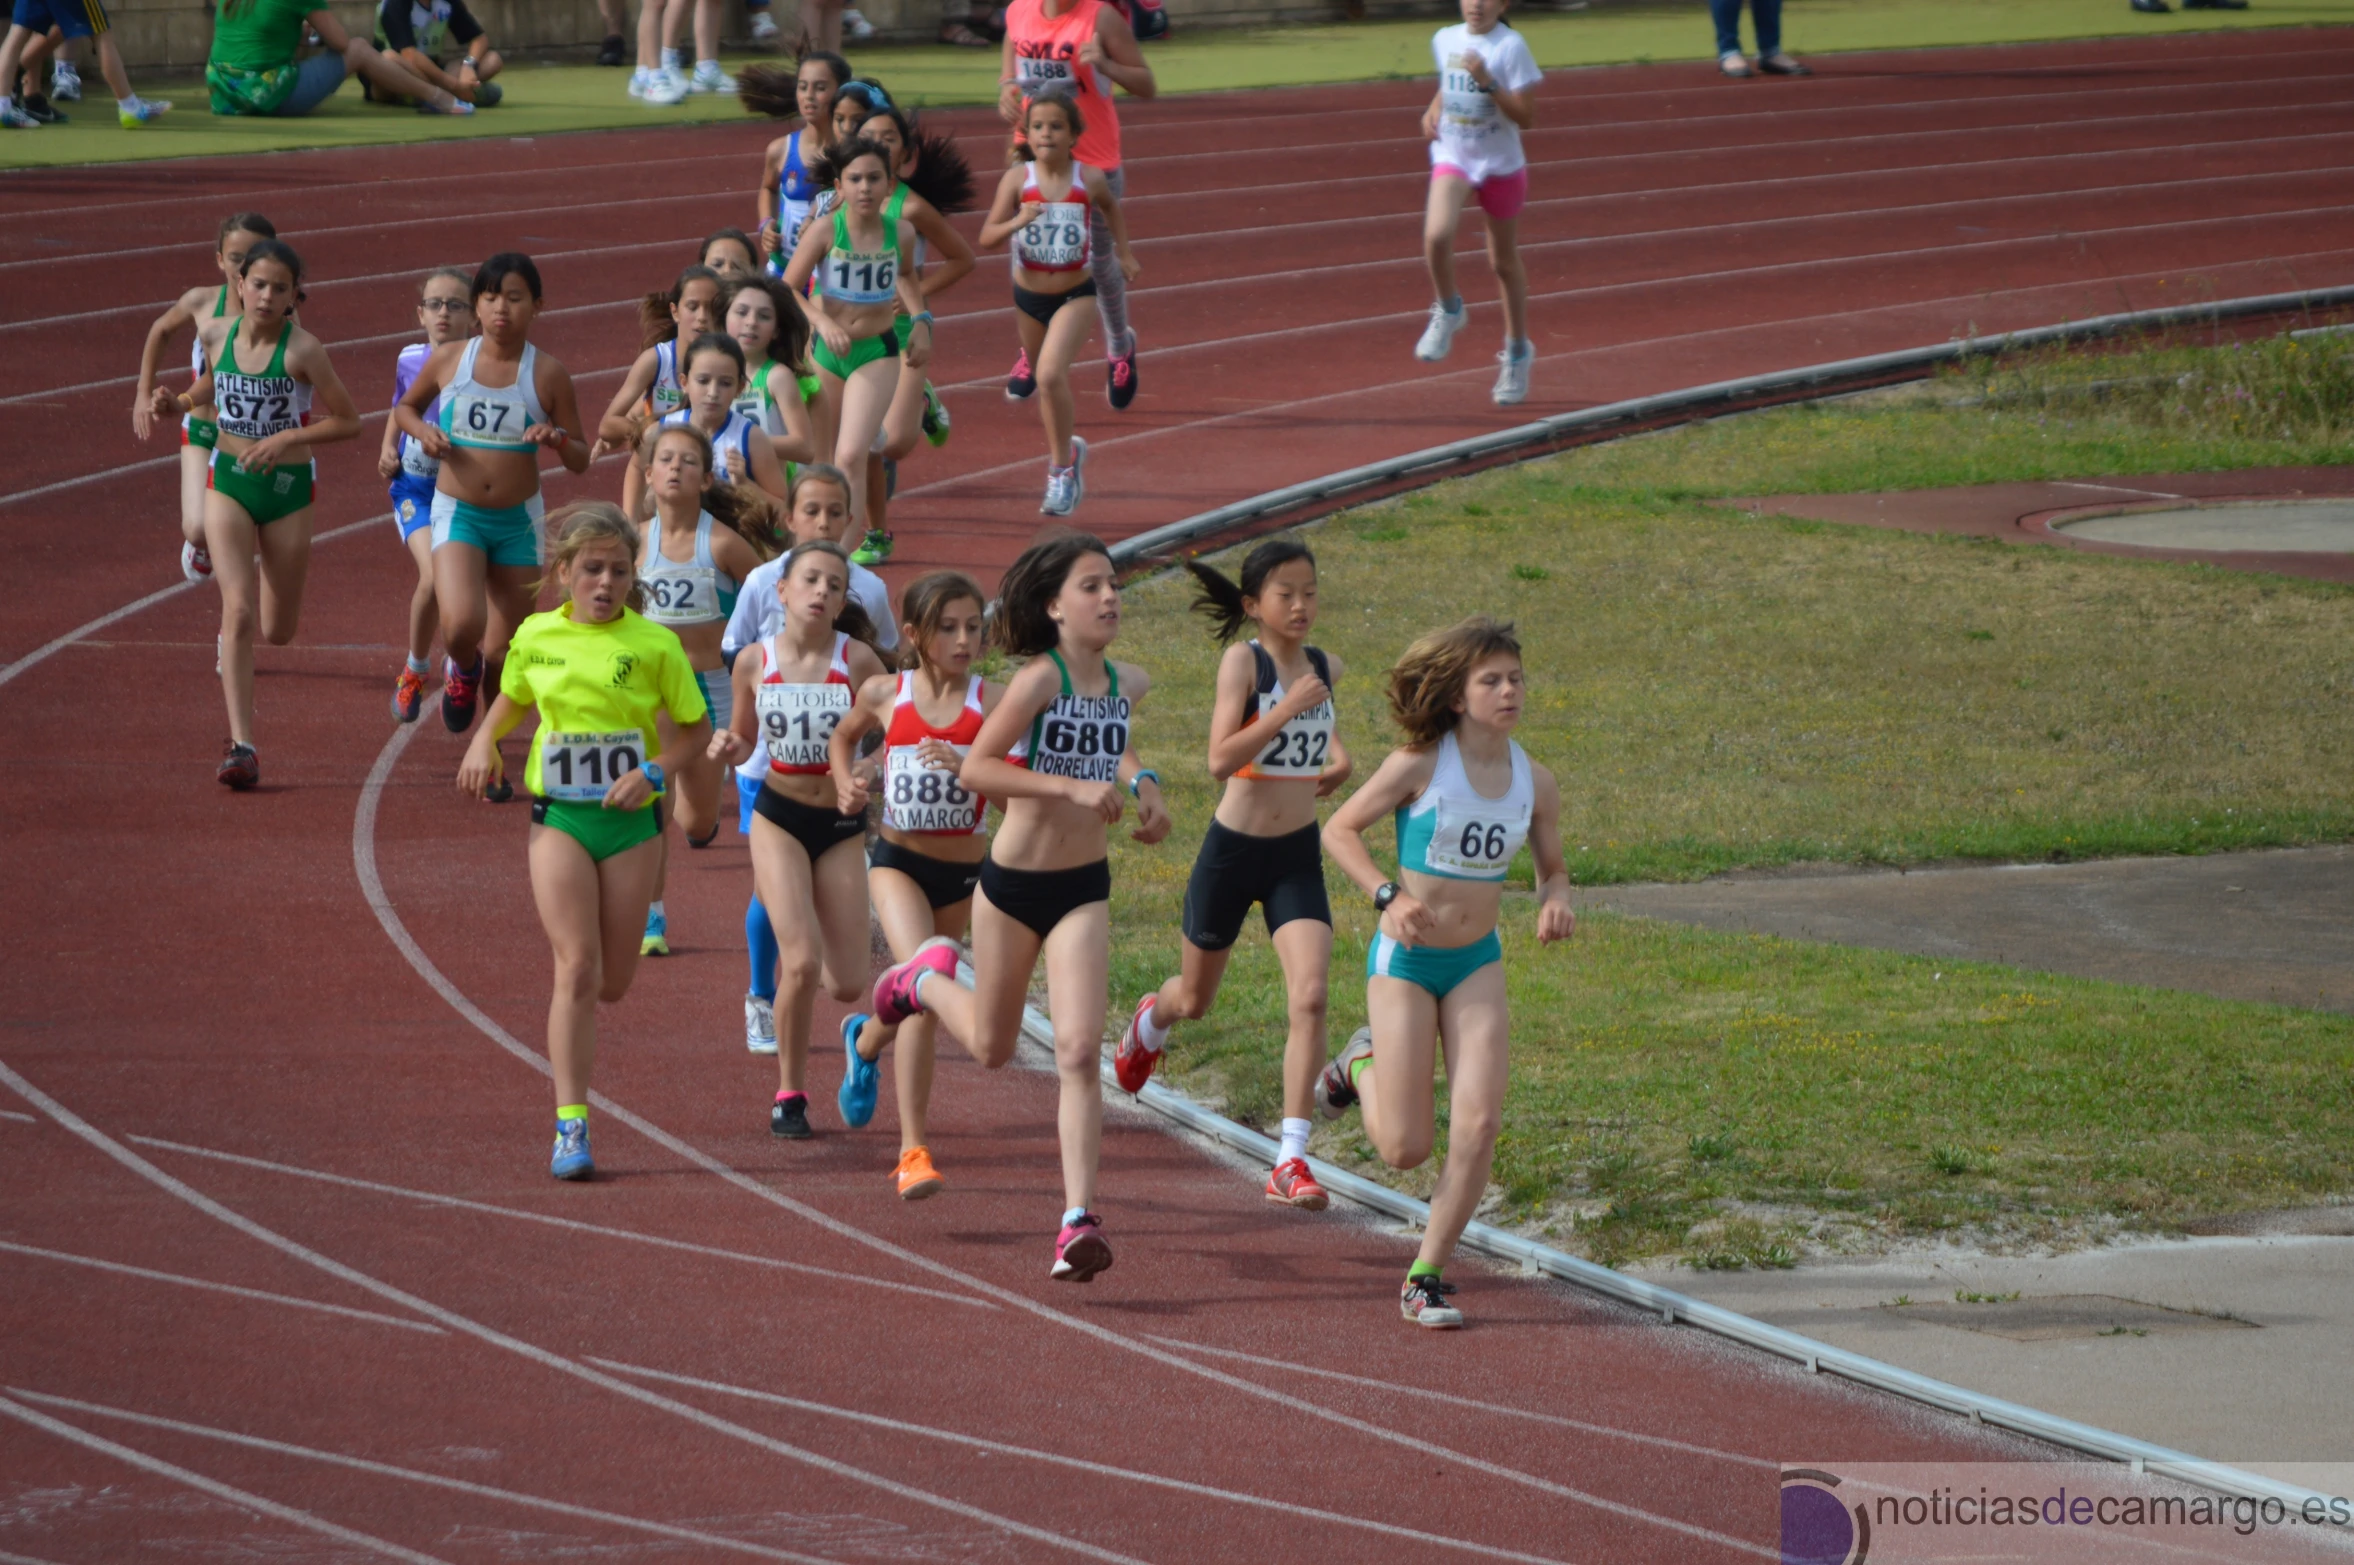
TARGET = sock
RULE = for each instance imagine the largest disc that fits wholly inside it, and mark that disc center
(1520, 348)
(670, 59)
(577, 1111)
(706, 67)
(1357, 1068)
(1151, 1033)
(1295, 1140)
(127, 105)
(760, 939)
(6, 103)
(1453, 303)
(654, 913)
(419, 666)
(1421, 1269)
(1073, 1215)
(637, 78)
(792, 1097)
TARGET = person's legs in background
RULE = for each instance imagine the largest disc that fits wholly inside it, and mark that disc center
(614, 15)
(763, 25)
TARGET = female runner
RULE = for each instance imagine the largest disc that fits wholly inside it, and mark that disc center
(1273, 744)
(1485, 99)
(731, 254)
(860, 258)
(501, 403)
(240, 232)
(652, 389)
(689, 576)
(774, 335)
(266, 371)
(715, 377)
(920, 873)
(1465, 796)
(601, 677)
(934, 179)
(1047, 882)
(1046, 206)
(787, 186)
(789, 695)
(443, 311)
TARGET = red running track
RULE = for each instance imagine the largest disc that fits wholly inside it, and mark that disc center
(284, 1276)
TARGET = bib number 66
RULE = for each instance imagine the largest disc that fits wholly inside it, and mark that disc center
(1482, 844)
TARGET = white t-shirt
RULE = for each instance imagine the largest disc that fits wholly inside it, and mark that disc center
(1474, 135)
(759, 616)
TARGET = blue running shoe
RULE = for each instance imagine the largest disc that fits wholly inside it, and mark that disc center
(860, 1081)
(571, 1159)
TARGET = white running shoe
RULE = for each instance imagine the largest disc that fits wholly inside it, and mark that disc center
(709, 77)
(196, 562)
(142, 111)
(759, 1025)
(664, 87)
(65, 83)
(1062, 492)
(637, 81)
(1078, 471)
(855, 26)
(1438, 338)
(1512, 376)
(764, 28)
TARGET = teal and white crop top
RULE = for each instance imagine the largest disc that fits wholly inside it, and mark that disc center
(492, 418)
(1457, 833)
(697, 592)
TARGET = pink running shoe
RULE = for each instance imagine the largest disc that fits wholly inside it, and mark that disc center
(895, 996)
(1081, 1250)
(1132, 1062)
(1022, 380)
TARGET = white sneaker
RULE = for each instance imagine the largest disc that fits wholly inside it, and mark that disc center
(65, 84)
(709, 77)
(759, 1025)
(637, 81)
(855, 25)
(1512, 376)
(764, 28)
(1078, 471)
(664, 88)
(1438, 338)
(1062, 492)
(196, 563)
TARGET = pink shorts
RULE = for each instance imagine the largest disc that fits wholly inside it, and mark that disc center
(1502, 195)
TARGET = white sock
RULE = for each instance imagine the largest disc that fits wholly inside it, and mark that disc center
(706, 67)
(127, 105)
(670, 59)
(1073, 1215)
(1295, 1140)
(654, 908)
(1149, 1033)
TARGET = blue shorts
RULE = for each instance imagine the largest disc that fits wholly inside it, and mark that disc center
(74, 18)
(412, 504)
(1438, 969)
(747, 798)
(509, 536)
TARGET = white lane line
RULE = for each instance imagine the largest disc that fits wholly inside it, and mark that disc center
(7, 1558)
(1116, 1475)
(416, 1476)
(222, 1287)
(1455, 1400)
(528, 1350)
(830, 1274)
(13, 1114)
(212, 1486)
(363, 834)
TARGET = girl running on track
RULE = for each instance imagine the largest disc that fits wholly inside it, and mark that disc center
(819, 508)
(1486, 98)
(240, 232)
(790, 692)
(653, 388)
(860, 254)
(934, 180)
(1048, 205)
(1273, 744)
(1088, 48)
(704, 540)
(774, 335)
(443, 310)
(742, 449)
(266, 371)
(856, 99)
(730, 253)
(922, 870)
(499, 402)
(601, 677)
(1047, 883)
(787, 183)
(1466, 797)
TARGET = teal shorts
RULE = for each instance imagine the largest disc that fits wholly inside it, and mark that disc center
(1438, 969)
(719, 694)
(508, 536)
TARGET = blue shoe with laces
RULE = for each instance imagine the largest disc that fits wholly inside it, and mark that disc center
(571, 1158)
(861, 1081)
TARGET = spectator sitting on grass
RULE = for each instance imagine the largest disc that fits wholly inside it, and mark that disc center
(417, 33)
(253, 69)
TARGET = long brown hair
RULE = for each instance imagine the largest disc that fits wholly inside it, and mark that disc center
(1033, 581)
(743, 509)
(925, 604)
(1430, 676)
(654, 309)
(853, 621)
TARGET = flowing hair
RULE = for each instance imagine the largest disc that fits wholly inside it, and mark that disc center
(940, 173)
(1431, 675)
(1023, 627)
(1221, 601)
(743, 509)
(790, 347)
(654, 309)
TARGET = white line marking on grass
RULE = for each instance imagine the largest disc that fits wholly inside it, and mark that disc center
(212, 1486)
(415, 1476)
(431, 1198)
(2147, 494)
(222, 1287)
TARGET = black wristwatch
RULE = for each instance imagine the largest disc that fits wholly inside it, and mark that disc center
(1387, 894)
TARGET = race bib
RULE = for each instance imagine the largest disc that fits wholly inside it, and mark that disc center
(415, 462)
(254, 407)
(1081, 737)
(856, 278)
(682, 595)
(1474, 842)
(495, 420)
(1035, 75)
(921, 798)
(1056, 241)
(580, 767)
(1300, 746)
(798, 721)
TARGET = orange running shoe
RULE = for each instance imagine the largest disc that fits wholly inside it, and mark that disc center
(1292, 1185)
(916, 1175)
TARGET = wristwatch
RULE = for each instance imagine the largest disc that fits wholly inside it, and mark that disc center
(1386, 895)
(653, 771)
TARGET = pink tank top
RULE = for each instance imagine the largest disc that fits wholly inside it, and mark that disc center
(1046, 51)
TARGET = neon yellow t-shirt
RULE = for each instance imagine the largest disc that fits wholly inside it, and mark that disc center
(598, 689)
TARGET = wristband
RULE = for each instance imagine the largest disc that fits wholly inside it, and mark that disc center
(654, 775)
(1137, 781)
(923, 317)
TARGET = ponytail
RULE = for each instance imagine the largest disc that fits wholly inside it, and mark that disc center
(1221, 601)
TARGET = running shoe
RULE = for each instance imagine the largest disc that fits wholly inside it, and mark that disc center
(1780, 64)
(873, 549)
(17, 119)
(936, 422)
(142, 111)
(408, 696)
(638, 78)
(662, 88)
(65, 83)
(460, 691)
(790, 1117)
(709, 77)
(855, 27)
(614, 51)
(1132, 1062)
(1062, 492)
(764, 28)
(656, 941)
(859, 1080)
(915, 1175)
(1438, 338)
(571, 1158)
(1336, 1094)
(1734, 64)
(895, 996)
(759, 1025)
(240, 767)
(1078, 471)
(488, 95)
(1423, 1300)
(1021, 380)
(1512, 375)
(41, 109)
(1081, 1250)
(196, 563)
(1292, 1185)
(1119, 379)
(500, 792)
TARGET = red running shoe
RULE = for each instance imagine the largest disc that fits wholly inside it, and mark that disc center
(240, 767)
(895, 996)
(1081, 1250)
(460, 690)
(408, 696)
(1292, 1185)
(1022, 380)
(1132, 1062)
